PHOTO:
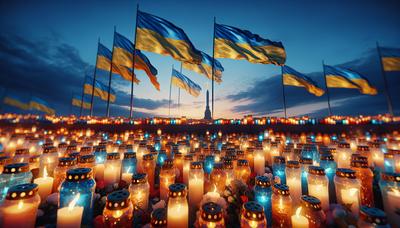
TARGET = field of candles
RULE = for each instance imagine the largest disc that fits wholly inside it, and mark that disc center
(162, 172)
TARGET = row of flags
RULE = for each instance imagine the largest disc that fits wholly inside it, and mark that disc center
(34, 103)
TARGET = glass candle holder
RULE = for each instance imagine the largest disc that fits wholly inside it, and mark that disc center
(218, 177)
(242, 171)
(228, 168)
(318, 185)
(304, 164)
(187, 159)
(129, 163)
(85, 150)
(281, 206)
(34, 162)
(112, 170)
(371, 217)
(161, 157)
(87, 161)
(140, 191)
(390, 190)
(313, 211)
(79, 180)
(211, 216)
(178, 210)
(252, 215)
(365, 175)
(60, 172)
(329, 165)
(14, 174)
(19, 209)
(209, 164)
(158, 218)
(259, 161)
(4, 160)
(21, 156)
(167, 177)
(62, 148)
(262, 195)
(293, 180)
(389, 162)
(278, 168)
(142, 150)
(178, 162)
(343, 155)
(118, 211)
(196, 185)
(348, 189)
(249, 156)
(49, 160)
(149, 165)
(377, 158)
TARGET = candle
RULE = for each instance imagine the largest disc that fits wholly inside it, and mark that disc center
(99, 172)
(393, 202)
(252, 215)
(196, 184)
(110, 175)
(178, 210)
(167, 177)
(140, 190)
(293, 180)
(211, 216)
(299, 221)
(126, 177)
(112, 169)
(348, 189)
(259, 161)
(45, 184)
(71, 216)
(350, 197)
(318, 185)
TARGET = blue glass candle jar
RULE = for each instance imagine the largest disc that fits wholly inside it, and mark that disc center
(209, 164)
(389, 162)
(129, 163)
(304, 164)
(14, 174)
(371, 217)
(79, 180)
(262, 195)
(329, 164)
(100, 154)
(278, 168)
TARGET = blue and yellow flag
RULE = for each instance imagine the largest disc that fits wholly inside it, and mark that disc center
(77, 101)
(100, 90)
(160, 36)
(41, 105)
(337, 77)
(293, 78)
(183, 82)
(104, 56)
(16, 101)
(235, 43)
(390, 59)
(123, 56)
(205, 67)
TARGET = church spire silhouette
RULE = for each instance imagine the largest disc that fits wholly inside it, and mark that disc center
(207, 112)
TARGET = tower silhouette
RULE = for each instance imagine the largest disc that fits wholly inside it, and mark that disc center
(207, 112)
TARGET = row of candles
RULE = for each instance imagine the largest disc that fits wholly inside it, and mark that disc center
(310, 179)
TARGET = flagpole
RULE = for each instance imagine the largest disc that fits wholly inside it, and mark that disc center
(133, 62)
(70, 105)
(94, 80)
(212, 78)
(327, 90)
(109, 79)
(83, 93)
(283, 92)
(170, 88)
(387, 92)
(179, 93)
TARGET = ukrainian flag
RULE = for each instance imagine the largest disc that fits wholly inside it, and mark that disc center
(293, 78)
(16, 101)
(205, 67)
(235, 43)
(390, 59)
(337, 77)
(185, 83)
(100, 90)
(41, 105)
(160, 36)
(104, 56)
(123, 56)
(77, 101)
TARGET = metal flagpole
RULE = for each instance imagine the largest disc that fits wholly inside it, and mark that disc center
(179, 93)
(327, 90)
(283, 92)
(83, 93)
(94, 80)
(133, 62)
(387, 92)
(170, 88)
(70, 105)
(109, 80)
(212, 82)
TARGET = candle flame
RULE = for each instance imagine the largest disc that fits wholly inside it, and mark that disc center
(129, 169)
(215, 188)
(72, 204)
(298, 210)
(396, 191)
(45, 174)
(20, 204)
(353, 191)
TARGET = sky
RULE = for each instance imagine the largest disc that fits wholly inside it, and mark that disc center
(47, 47)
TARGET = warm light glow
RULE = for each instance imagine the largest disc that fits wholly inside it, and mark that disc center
(72, 204)
(117, 213)
(20, 204)
(45, 174)
(298, 210)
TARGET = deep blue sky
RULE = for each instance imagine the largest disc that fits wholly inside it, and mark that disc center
(47, 46)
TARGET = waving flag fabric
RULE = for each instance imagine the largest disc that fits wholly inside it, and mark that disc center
(390, 59)
(155, 34)
(100, 90)
(235, 43)
(15, 100)
(293, 78)
(185, 83)
(77, 101)
(41, 105)
(337, 77)
(205, 67)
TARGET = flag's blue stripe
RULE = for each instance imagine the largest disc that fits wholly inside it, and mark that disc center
(104, 51)
(123, 42)
(208, 60)
(390, 52)
(185, 79)
(289, 70)
(101, 86)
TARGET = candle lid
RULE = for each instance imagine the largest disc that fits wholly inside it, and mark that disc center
(23, 151)
(327, 157)
(89, 158)
(281, 189)
(49, 149)
(62, 145)
(218, 166)
(86, 149)
(177, 190)
(211, 212)
(393, 177)
(250, 150)
(346, 173)
(139, 178)
(316, 170)
(168, 164)
(210, 157)
(228, 164)
(118, 200)
(279, 160)
(362, 148)
(16, 168)
(344, 145)
(178, 155)
(242, 162)
(240, 153)
(100, 148)
(263, 182)
(128, 155)
(373, 215)
(113, 156)
(22, 191)
(355, 156)
(359, 164)
(128, 147)
(159, 217)
(306, 161)
(79, 174)
(200, 157)
(34, 159)
(293, 164)
(196, 165)
(388, 155)
(148, 157)
(71, 148)
(4, 160)
(66, 162)
(311, 202)
(374, 144)
(74, 155)
(188, 157)
(253, 211)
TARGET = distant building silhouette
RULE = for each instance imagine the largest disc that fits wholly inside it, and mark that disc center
(207, 112)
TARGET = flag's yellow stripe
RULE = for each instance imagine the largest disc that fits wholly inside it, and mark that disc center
(334, 81)
(42, 108)
(391, 63)
(366, 88)
(77, 103)
(98, 92)
(15, 103)
(292, 80)
(122, 57)
(182, 85)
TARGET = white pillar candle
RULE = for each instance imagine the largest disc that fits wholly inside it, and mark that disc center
(299, 221)
(45, 185)
(295, 189)
(393, 202)
(350, 196)
(110, 175)
(196, 191)
(320, 191)
(19, 215)
(178, 216)
(99, 172)
(259, 163)
(71, 216)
